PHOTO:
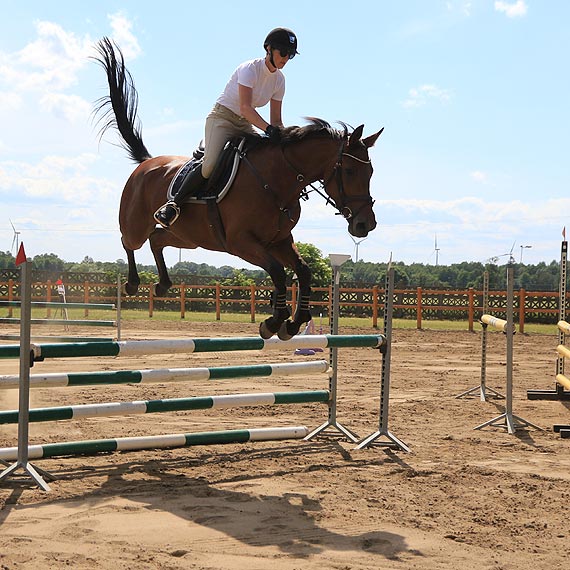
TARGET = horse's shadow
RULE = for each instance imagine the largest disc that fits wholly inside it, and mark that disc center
(287, 521)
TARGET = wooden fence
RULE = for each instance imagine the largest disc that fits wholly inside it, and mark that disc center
(419, 304)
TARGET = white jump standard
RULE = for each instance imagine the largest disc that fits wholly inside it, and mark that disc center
(561, 390)
(374, 439)
(486, 320)
(508, 420)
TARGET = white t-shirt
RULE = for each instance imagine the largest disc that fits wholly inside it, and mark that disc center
(264, 84)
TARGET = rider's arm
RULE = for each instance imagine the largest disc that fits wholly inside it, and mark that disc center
(275, 112)
(247, 110)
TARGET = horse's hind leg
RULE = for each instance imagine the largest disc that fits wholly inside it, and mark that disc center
(159, 239)
(133, 280)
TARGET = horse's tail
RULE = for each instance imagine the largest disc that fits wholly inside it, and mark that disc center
(119, 108)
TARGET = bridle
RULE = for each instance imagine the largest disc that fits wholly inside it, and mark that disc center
(342, 206)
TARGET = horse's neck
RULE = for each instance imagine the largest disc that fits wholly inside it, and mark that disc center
(312, 158)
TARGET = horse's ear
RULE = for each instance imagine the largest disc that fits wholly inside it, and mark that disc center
(369, 141)
(356, 136)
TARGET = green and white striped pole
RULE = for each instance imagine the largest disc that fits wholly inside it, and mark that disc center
(186, 346)
(107, 409)
(59, 379)
(90, 447)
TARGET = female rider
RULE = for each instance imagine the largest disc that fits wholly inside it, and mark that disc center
(253, 84)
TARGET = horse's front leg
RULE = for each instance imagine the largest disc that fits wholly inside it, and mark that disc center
(278, 301)
(303, 313)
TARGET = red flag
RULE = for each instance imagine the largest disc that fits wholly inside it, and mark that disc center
(21, 257)
(564, 233)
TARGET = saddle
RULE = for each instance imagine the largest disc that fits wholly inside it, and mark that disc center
(222, 178)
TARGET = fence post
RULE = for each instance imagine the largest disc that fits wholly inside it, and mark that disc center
(252, 301)
(10, 295)
(375, 306)
(218, 303)
(471, 308)
(48, 298)
(150, 300)
(522, 301)
(293, 297)
(182, 300)
(86, 296)
(419, 308)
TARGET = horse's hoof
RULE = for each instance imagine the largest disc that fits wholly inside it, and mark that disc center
(284, 332)
(264, 331)
(129, 289)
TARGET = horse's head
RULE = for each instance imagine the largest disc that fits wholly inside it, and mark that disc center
(349, 183)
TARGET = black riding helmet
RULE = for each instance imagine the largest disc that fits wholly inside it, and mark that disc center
(284, 40)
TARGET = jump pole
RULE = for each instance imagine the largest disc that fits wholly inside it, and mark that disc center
(337, 260)
(163, 375)
(188, 345)
(109, 409)
(483, 388)
(560, 392)
(508, 420)
(21, 456)
(383, 431)
(89, 447)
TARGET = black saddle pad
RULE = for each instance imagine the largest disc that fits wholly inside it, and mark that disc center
(220, 177)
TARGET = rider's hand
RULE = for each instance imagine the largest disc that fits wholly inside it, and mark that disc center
(274, 133)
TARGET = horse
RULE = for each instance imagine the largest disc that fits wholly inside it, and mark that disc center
(262, 207)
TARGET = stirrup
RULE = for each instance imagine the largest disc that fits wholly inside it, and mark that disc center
(167, 214)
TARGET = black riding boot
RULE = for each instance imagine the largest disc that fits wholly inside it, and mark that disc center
(168, 213)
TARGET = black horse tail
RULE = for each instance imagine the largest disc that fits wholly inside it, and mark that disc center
(119, 108)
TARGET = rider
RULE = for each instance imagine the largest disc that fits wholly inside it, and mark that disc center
(253, 84)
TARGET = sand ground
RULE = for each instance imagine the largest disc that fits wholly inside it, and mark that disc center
(463, 499)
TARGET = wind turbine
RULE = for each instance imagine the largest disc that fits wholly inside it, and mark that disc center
(356, 244)
(15, 239)
(436, 250)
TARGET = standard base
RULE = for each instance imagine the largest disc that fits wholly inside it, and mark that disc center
(37, 474)
(322, 430)
(509, 422)
(393, 442)
(548, 395)
(483, 393)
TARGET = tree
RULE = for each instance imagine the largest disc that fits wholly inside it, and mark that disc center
(321, 271)
(48, 262)
(7, 260)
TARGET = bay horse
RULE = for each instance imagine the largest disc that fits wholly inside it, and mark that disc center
(262, 207)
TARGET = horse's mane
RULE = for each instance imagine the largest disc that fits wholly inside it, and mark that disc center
(316, 128)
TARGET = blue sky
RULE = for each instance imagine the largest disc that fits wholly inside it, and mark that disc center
(473, 96)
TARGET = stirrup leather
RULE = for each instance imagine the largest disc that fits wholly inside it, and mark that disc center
(161, 215)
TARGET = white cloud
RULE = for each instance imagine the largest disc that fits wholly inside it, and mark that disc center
(123, 35)
(479, 176)
(61, 178)
(420, 96)
(9, 101)
(69, 107)
(50, 62)
(462, 6)
(512, 9)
